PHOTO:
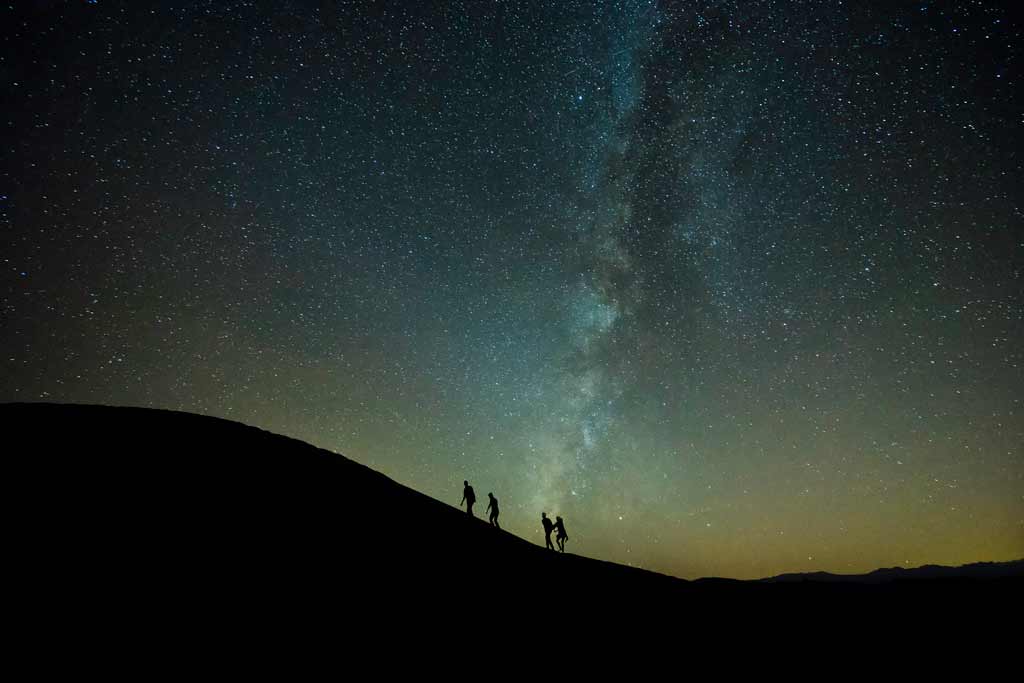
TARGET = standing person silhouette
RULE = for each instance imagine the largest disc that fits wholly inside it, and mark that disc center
(468, 497)
(548, 526)
(561, 537)
(493, 507)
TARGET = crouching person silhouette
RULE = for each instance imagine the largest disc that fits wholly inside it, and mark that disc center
(561, 537)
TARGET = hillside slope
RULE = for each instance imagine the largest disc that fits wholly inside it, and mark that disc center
(229, 509)
(128, 508)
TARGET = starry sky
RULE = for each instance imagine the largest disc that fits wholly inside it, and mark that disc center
(735, 288)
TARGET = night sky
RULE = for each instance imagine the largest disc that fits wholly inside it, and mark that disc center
(735, 288)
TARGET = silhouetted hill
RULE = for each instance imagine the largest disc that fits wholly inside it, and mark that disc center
(161, 518)
(223, 507)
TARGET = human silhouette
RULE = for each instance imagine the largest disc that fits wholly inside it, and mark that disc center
(493, 507)
(548, 526)
(561, 537)
(468, 497)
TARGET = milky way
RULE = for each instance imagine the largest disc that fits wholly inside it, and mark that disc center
(734, 288)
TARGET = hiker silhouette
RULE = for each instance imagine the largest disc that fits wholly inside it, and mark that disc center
(561, 537)
(468, 497)
(493, 507)
(548, 526)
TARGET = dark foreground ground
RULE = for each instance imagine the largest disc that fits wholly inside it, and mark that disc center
(171, 525)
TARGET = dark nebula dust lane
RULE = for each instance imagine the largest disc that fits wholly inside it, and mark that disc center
(735, 288)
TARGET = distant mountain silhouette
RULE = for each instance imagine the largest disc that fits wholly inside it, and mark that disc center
(978, 571)
(170, 518)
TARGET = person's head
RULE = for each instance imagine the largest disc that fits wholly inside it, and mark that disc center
(558, 518)
(544, 515)
(490, 494)
(465, 483)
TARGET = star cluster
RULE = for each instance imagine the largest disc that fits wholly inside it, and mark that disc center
(735, 288)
